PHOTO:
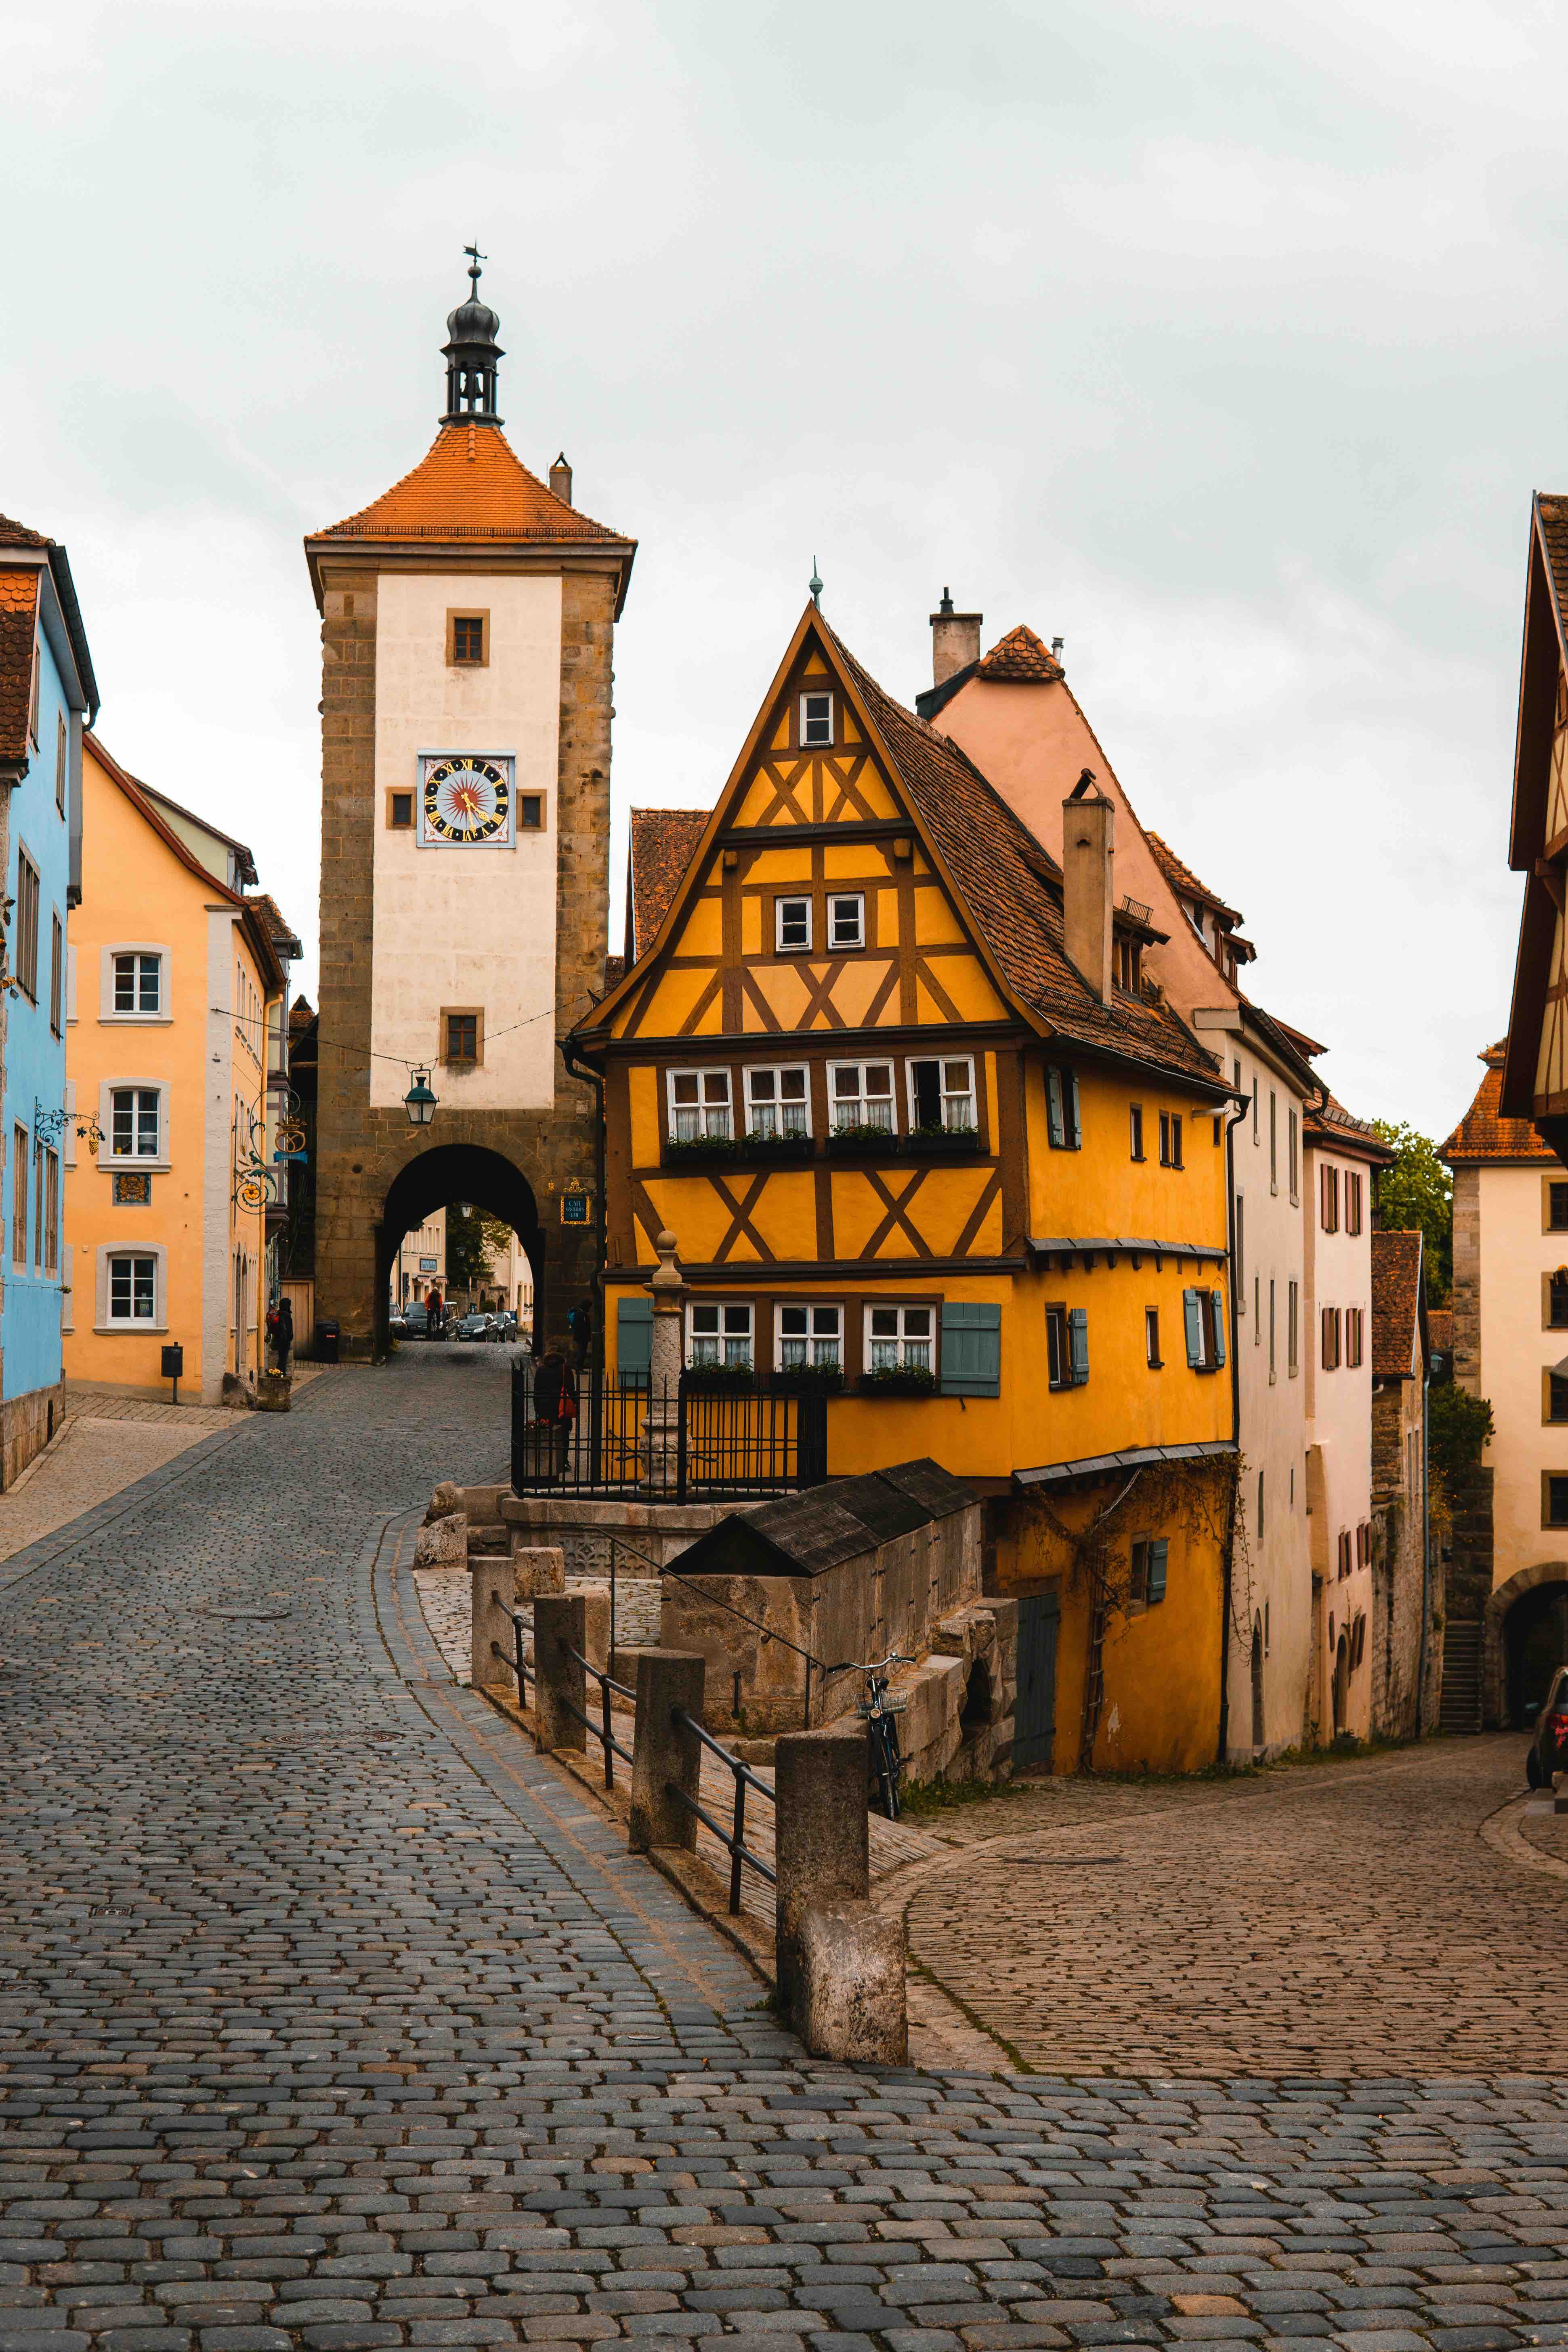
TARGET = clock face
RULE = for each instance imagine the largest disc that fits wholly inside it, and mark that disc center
(465, 799)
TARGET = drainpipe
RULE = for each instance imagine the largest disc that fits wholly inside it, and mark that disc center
(1230, 1126)
(1425, 1544)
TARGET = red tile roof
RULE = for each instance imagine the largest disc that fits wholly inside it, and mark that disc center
(1440, 1329)
(662, 842)
(1020, 659)
(282, 932)
(1483, 1134)
(471, 484)
(1397, 1273)
(18, 628)
(1328, 1123)
(1182, 879)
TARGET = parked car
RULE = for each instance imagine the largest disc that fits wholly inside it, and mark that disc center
(414, 1318)
(1549, 1748)
(472, 1327)
(396, 1325)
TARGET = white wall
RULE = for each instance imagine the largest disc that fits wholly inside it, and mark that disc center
(466, 926)
(1339, 1413)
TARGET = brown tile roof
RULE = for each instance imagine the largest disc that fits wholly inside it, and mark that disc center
(662, 842)
(615, 969)
(1182, 879)
(18, 627)
(1483, 1134)
(17, 534)
(1329, 1122)
(1440, 1329)
(471, 484)
(1011, 887)
(301, 1012)
(1395, 1303)
(1553, 507)
(282, 931)
(1020, 659)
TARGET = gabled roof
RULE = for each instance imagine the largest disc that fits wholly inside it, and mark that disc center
(18, 631)
(244, 864)
(1397, 1303)
(809, 1533)
(17, 534)
(1183, 880)
(1440, 1329)
(470, 485)
(1483, 1134)
(1328, 1122)
(284, 937)
(1006, 880)
(1019, 659)
(21, 610)
(662, 842)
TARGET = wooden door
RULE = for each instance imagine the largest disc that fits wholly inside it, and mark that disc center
(1035, 1721)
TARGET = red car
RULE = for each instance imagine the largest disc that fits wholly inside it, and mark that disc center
(1549, 1748)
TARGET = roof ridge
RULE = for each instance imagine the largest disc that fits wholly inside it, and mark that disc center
(586, 527)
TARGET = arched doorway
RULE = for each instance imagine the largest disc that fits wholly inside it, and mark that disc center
(1342, 1684)
(447, 1173)
(1524, 1634)
(1258, 1739)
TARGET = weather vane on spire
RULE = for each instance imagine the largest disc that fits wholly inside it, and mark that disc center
(475, 258)
(815, 585)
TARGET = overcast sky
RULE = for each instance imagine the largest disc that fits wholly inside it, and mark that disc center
(1224, 342)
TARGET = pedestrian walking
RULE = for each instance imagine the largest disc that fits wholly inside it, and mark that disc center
(582, 1323)
(555, 1404)
(282, 1322)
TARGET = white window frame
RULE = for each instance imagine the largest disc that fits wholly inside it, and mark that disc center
(811, 1337)
(876, 1062)
(791, 947)
(944, 1063)
(106, 1011)
(809, 742)
(102, 1319)
(108, 1157)
(727, 1332)
(702, 1108)
(903, 1340)
(837, 898)
(776, 1071)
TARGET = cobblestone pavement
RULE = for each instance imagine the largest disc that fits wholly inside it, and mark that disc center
(91, 1459)
(329, 2017)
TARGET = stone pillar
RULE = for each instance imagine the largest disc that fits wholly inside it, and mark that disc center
(664, 1750)
(493, 1600)
(824, 1834)
(539, 1568)
(557, 1625)
(662, 1428)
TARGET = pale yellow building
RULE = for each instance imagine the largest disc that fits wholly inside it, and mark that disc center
(176, 1071)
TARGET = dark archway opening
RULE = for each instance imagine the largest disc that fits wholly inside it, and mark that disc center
(1535, 1643)
(1257, 1740)
(975, 1713)
(1341, 1684)
(440, 1178)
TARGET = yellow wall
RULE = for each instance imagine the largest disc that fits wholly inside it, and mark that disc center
(135, 888)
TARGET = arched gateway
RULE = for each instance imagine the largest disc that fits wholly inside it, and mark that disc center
(466, 621)
(432, 1180)
(1524, 1638)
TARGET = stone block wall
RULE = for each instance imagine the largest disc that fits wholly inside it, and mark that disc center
(27, 1424)
(1466, 1300)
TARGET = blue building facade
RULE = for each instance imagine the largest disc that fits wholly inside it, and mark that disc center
(47, 697)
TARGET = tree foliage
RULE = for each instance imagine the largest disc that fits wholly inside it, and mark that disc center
(1418, 1194)
(474, 1241)
(1457, 1426)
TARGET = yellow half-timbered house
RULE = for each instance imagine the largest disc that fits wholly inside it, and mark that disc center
(893, 1079)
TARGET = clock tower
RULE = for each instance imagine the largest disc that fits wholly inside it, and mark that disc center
(467, 617)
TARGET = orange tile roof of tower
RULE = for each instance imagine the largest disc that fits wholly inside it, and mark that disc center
(1020, 659)
(471, 484)
(1483, 1134)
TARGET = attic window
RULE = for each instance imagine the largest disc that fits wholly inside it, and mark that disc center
(1129, 962)
(815, 719)
(1194, 916)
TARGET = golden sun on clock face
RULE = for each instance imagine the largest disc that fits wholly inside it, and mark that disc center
(465, 799)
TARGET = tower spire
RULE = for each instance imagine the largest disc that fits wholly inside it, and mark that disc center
(472, 354)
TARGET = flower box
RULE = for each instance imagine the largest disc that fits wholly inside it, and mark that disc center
(860, 1143)
(719, 1379)
(941, 1142)
(809, 1380)
(686, 1151)
(775, 1150)
(906, 1381)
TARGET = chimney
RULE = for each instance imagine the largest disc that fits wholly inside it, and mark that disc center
(955, 640)
(1088, 890)
(561, 478)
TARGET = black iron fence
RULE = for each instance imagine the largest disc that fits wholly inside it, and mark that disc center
(696, 1442)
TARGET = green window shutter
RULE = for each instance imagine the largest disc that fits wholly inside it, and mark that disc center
(1055, 1123)
(1217, 1309)
(633, 1341)
(1078, 1344)
(1074, 1126)
(971, 1348)
(1155, 1588)
(1193, 1312)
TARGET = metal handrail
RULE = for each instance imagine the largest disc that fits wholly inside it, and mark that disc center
(611, 1746)
(734, 1842)
(518, 1663)
(619, 1543)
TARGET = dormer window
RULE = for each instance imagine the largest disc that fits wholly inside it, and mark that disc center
(815, 720)
(1194, 916)
(1129, 962)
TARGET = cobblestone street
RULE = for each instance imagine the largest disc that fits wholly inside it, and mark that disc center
(329, 2016)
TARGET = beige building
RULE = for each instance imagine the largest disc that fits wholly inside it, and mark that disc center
(1511, 1346)
(422, 1261)
(1406, 1652)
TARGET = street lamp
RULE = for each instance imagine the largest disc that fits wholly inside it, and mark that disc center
(419, 1102)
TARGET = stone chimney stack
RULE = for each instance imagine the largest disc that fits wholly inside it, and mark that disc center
(1088, 890)
(955, 640)
(561, 478)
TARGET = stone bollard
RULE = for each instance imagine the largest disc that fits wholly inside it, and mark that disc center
(443, 1542)
(664, 1750)
(559, 1680)
(852, 2004)
(492, 1599)
(539, 1567)
(824, 1834)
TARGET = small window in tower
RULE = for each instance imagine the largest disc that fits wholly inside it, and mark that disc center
(530, 811)
(815, 719)
(400, 811)
(462, 1034)
(467, 639)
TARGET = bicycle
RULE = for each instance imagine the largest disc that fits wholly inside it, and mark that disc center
(878, 1710)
